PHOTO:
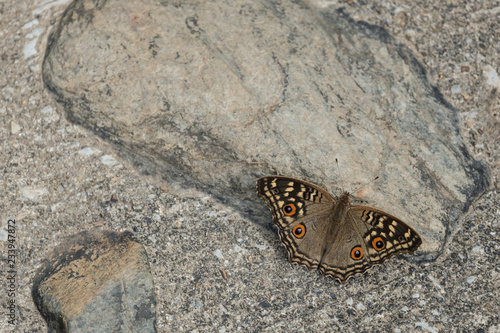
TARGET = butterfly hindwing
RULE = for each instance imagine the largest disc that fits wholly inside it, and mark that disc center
(376, 234)
(339, 260)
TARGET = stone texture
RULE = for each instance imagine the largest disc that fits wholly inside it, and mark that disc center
(191, 238)
(216, 94)
(96, 282)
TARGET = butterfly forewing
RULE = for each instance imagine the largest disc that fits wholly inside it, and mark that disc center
(311, 206)
(396, 236)
(307, 198)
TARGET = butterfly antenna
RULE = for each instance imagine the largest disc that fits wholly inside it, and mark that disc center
(341, 179)
(365, 185)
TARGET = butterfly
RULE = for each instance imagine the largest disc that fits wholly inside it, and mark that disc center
(321, 232)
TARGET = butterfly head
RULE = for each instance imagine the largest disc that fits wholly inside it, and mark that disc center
(345, 199)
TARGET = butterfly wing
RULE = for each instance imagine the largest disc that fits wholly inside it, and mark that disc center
(397, 236)
(376, 234)
(302, 213)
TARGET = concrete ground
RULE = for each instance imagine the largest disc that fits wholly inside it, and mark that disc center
(58, 179)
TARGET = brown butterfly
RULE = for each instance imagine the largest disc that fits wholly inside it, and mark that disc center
(329, 234)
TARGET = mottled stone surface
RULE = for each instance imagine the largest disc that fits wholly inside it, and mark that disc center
(216, 94)
(214, 268)
(96, 282)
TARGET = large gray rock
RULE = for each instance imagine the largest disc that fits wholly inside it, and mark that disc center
(215, 94)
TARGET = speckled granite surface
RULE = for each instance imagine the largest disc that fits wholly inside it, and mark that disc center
(58, 179)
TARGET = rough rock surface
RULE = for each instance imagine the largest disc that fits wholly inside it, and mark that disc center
(97, 282)
(216, 94)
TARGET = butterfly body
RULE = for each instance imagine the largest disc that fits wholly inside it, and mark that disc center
(329, 234)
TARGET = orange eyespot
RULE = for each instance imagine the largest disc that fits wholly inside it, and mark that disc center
(299, 231)
(289, 209)
(378, 243)
(357, 253)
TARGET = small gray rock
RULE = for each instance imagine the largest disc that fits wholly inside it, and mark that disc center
(96, 282)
